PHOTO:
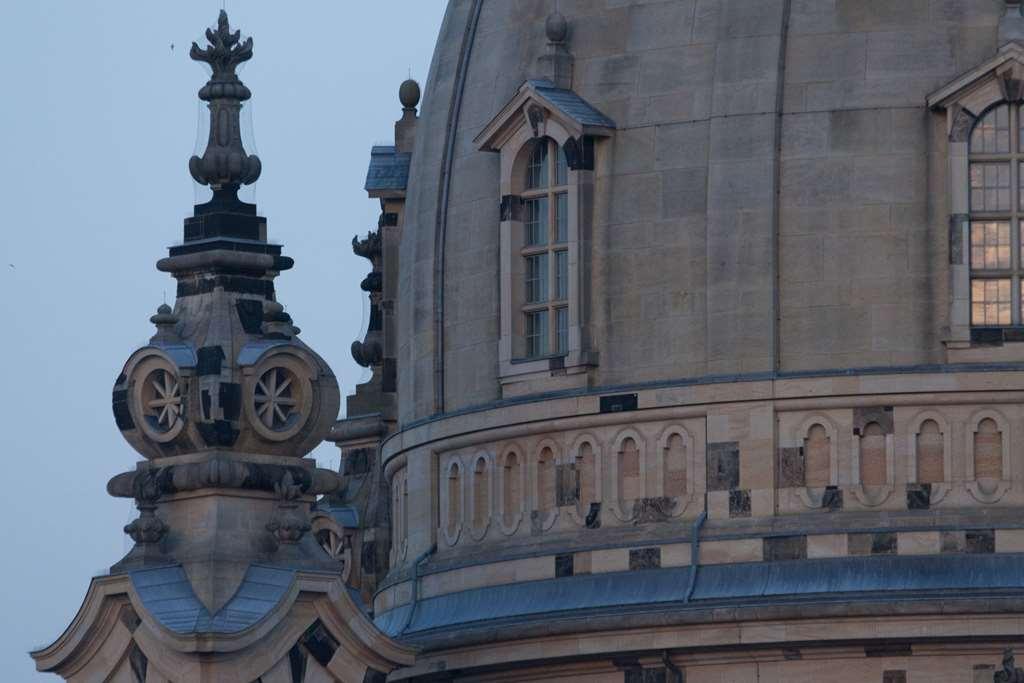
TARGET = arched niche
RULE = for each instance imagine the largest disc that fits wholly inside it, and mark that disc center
(480, 497)
(988, 456)
(452, 500)
(511, 488)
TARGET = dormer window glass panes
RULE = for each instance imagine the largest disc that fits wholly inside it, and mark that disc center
(545, 250)
(996, 206)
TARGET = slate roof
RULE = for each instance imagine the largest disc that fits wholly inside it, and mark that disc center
(389, 170)
(570, 104)
(167, 594)
(347, 517)
(751, 584)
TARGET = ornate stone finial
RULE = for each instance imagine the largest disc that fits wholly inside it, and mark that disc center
(556, 64)
(225, 164)
(165, 320)
(148, 528)
(409, 94)
(224, 52)
(556, 27)
(1011, 26)
(290, 521)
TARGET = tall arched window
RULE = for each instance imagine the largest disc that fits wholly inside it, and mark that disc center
(545, 251)
(996, 203)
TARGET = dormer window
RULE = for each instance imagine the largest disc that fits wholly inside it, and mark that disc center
(985, 150)
(547, 138)
(545, 251)
(996, 205)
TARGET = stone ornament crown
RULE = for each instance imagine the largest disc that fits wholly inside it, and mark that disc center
(224, 53)
(225, 163)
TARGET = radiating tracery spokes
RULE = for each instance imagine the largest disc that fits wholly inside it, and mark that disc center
(275, 401)
(165, 404)
(333, 544)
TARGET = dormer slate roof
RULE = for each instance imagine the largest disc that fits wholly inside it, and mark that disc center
(570, 104)
(575, 114)
(388, 172)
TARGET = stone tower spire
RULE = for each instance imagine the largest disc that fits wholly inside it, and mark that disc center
(230, 578)
(225, 400)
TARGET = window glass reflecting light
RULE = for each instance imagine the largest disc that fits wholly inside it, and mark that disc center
(990, 186)
(561, 167)
(990, 301)
(536, 221)
(991, 135)
(561, 217)
(537, 278)
(561, 275)
(562, 327)
(536, 333)
(990, 245)
(537, 168)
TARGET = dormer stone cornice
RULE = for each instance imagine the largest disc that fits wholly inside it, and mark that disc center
(534, 104)
(1005, 68)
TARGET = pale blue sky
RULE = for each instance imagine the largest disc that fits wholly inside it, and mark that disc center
(97, 123)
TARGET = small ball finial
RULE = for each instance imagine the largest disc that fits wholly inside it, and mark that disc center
(164, 316)
(409, 94)
(556, 27)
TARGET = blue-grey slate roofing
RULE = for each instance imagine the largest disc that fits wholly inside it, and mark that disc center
(345, 516)
(167, 594)
(253, 351)
(183, 355)
(389, 169)
(838, 579)
(571, 104)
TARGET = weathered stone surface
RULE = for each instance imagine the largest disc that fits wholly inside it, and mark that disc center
(739, 503)
(918, 496)
(563, 565)
(791, 467)
(785, 548)
(644, 558)
(980, 541)
(723, 466)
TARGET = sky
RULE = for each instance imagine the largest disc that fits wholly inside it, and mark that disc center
(98, 121)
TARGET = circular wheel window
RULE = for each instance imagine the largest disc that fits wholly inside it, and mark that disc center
(158, 400)
(279, 401)
(275, 399)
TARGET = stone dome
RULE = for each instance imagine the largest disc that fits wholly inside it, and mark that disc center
(723, 291)
(751, 214)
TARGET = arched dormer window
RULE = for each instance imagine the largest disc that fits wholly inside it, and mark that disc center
(548, 141)
(995, 209)
(545, 251)
(985, 152)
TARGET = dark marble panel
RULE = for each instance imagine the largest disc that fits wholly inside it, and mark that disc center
(723, 466)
